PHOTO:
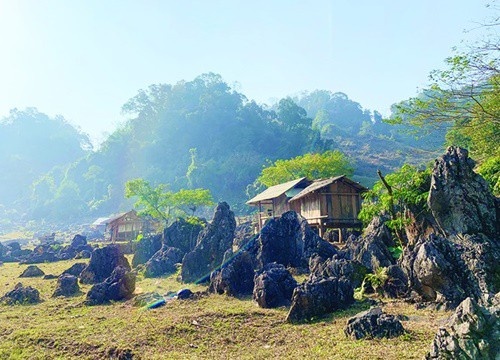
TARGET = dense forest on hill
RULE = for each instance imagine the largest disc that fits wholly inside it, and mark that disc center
(192, 134)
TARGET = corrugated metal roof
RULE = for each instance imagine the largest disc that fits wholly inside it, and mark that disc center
(275, 191)
(318, 184)
(107, 220)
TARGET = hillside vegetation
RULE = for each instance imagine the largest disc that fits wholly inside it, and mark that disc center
(198, 134)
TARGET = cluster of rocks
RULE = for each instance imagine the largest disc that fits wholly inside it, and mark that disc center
(21, 295)
(77, 249)
(12, 252)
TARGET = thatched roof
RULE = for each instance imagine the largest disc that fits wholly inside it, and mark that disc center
(275, 191)
(319, 184)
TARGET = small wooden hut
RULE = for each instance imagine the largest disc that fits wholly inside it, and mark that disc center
(330, 203)
(274, 201)
(121, 227)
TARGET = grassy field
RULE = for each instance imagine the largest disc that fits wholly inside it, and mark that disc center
(215, 327)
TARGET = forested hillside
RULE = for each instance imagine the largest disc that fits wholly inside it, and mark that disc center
(31, 144)
(202, 133)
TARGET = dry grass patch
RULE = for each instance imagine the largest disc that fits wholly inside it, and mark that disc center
(212, 327)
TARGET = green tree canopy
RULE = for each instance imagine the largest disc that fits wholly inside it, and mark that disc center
(313, 166)
(161, 203)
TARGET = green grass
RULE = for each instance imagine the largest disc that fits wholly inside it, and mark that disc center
(212, 327)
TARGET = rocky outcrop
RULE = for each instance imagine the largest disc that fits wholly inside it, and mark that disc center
(235, 278)
(119, 285)
(448, 270)
(460, 199)
(75, 269)
(320, 296)
(351, 270)
(163, 262)
(274, 286)
(371, 249)
(372, 324)
(77, 246)
(102, 263)
(145, 249)
(473, 332)
(396, 285)
(290, 241)
(182, 235)
(213, 242)
(243, 235)
(41, 254)
(67, 285)
(32, 271)
(21, 295)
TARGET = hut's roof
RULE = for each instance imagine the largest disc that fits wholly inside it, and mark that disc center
(275, 191)
(108, 220)
(319, 184)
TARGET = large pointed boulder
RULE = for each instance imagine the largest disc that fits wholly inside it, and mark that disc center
(290, 241)
(460, 199)
(102, 263)
(320, 296)
(182, 235)
(215, 239)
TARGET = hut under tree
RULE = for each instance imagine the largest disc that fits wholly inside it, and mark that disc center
(121, 227)
(332, 203)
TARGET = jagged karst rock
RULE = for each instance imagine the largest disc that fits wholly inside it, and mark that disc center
(396, 285)
(163, 262)
(78, 245)
(67, 285)
(243, 235)
(235, 278)
(41, 254)
(213, 241)
(102, 263)
(119, 285)
(371, 249)
(455, 244)
(290, 241)
(274, 286)
(182, 235)
(448, 270)
(32, 271)
(21, 295)
(460, 199)
(373, 323)
(320, 296)
(145, 249)
(75, 269)
(337, 267)
(473, 332)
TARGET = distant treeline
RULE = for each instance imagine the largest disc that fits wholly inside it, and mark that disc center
(192, 134)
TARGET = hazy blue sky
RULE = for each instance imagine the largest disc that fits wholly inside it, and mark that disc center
(84, 59)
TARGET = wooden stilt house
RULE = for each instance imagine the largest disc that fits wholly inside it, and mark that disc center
(274, 201)
(121, 227)
(328, 203)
